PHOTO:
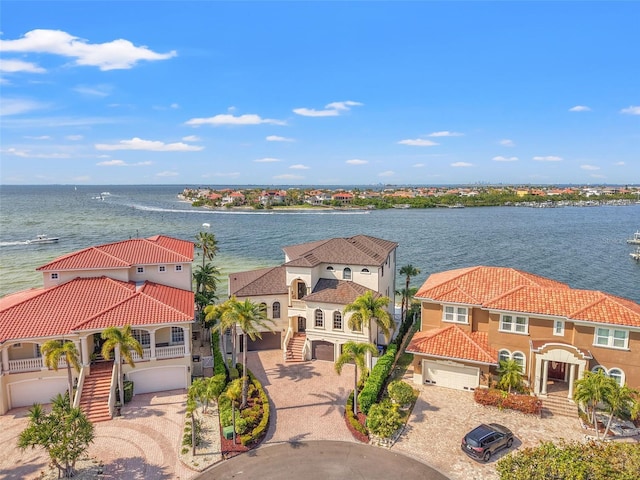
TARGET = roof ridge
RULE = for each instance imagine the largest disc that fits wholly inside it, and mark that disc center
(113, 281)
(474, 341)
(162, 246)
(510, 292)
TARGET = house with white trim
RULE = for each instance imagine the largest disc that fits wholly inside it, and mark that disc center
(474, 317)
(306, 295)
(142, 282)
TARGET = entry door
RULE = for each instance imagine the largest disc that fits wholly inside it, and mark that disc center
(557, 371)
(302, 290)
(302, 324)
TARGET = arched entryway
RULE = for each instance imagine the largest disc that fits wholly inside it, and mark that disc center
(556, 367)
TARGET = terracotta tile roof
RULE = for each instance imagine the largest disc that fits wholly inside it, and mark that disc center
(74, 305)
(17, 297)
(341, 292)
(477, 285)
(264, 281)
(453, 342)
(124, 254)
(357, 250)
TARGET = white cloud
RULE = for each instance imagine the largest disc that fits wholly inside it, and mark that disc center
(505, 142)
(74, 137)
(589, 167)
(461, 164)
(14, 66)
(122, 163)
(174, 106)
(17, 106)
(114, 55)
(27, 154)
(631, 110)
(41, 137)
(356, 161)
(580, 108)
(418, 165)
(227, 119)
(446, 134)
(167, 173)
(191, 138)
(418, 142)
(150, 145)
(500, 158)
(299, 166)
(267, 160)
(387, 173)
(276, 138)
(619, 164)
(332, 109)
(548, 158)
(288, 176)
(94, 91)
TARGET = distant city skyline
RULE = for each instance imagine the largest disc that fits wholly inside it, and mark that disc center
(319, 93)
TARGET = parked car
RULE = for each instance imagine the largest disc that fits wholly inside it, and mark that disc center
(484, 440)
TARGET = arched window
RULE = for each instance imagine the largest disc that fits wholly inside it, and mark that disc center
(263, 308)
(346, 273)
(142, 336)
(337, 320)
(330, 268)
(520, 359)
(504, 355)
(319, 318)
(275, 310)
(365, 270)
(599, 368)
(617, 375)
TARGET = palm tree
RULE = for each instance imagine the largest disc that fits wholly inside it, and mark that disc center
(124, 343)
(356, 353)
(248, 316)
(214, 319)
(206, 278)
(54, 350)
(620, 400)
(234, 393)
(510, 373)
(367, 307)
(208, 244)
(591, 390)
(409, 271)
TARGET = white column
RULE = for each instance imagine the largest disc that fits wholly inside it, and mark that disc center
(5, 359)
(187, 340)
(545, 376)
(84, 351)
(152, 346)
(572, 377)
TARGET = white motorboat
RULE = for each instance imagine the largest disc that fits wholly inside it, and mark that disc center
(42, 239)
(635, 240)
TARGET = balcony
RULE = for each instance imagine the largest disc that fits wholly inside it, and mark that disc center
(171, 351)
(31, 365)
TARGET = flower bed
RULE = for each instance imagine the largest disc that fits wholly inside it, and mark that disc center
(356, 424)
(501, 399)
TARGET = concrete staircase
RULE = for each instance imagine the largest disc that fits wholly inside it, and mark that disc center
(94, 401)
(295, 346)
(554, 405)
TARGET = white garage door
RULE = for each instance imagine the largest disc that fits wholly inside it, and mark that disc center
(451, 376)
(25, 394)
(158, 379)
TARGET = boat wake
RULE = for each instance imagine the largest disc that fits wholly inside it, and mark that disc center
(13, 244)
(252, 212)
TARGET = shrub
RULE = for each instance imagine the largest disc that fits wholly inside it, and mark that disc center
(219, 368)
(128, 391)
(502, 399)
(375, 382)
(384, 419)
(353, 421)
(401, 392)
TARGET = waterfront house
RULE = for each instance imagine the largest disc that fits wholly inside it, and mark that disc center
(142, 282)
(474, 317)
(306, 295)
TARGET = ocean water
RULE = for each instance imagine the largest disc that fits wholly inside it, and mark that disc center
(582, 246)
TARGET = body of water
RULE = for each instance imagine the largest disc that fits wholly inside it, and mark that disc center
(582, 246)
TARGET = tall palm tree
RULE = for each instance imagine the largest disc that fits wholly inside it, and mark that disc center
(409, 271)
(206, 278)
(367, 307)
(213, 318)
(356, 353)
(249, 316)
(122, 341)
(591, 390)
(510, 373)
(54, 350)
(621, 399)
(208, 244)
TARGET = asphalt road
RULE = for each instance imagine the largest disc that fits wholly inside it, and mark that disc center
(321, 460)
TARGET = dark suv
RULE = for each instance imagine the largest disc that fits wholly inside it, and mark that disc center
(484, 440)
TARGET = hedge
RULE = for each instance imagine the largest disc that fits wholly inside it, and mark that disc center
(218, 362)
(502, 399)
(375, 381)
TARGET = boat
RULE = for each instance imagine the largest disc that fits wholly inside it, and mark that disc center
(42, 239)
(636, 255)
(635, 240)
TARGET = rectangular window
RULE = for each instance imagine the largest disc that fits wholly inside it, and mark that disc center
(558, 328)
(610, 337)
(451, 313)
(142, 336)
(177, 335)
(337, 321)
(514, 324)
(162, 268)
(139, 269)
(54, 276)
(178, 268)
(16, 345)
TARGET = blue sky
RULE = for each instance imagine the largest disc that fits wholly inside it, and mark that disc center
(326, 93)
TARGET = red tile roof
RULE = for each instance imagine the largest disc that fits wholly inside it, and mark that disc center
(87, 303)
(453, 342)
(138, 251)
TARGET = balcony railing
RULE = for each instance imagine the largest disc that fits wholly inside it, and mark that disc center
(298, 304)
(31, 364)
(172, 351)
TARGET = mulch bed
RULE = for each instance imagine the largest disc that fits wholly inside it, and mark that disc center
(361, 437)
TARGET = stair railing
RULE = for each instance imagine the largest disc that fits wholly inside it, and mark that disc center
(81, 377)
(306, 350)
(112, 389)
(285, 346)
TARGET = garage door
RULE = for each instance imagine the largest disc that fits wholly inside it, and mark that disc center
(158, 379)
(25, 394)
(322, 350)
(269, 341)
(451, 376)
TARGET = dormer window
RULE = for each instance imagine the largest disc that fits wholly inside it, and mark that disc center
(346, 273)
